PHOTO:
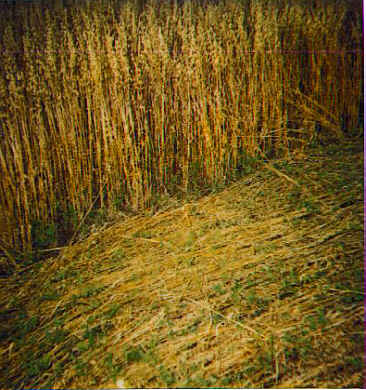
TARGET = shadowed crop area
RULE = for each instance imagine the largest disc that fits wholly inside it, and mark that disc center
(110, 104)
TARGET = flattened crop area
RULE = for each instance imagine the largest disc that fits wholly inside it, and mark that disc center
(258, 285)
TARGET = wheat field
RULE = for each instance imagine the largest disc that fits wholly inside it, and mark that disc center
(109, 103)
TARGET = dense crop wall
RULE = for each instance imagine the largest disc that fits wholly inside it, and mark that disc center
(112, 100)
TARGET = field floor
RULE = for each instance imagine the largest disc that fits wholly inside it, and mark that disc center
(259, 285)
